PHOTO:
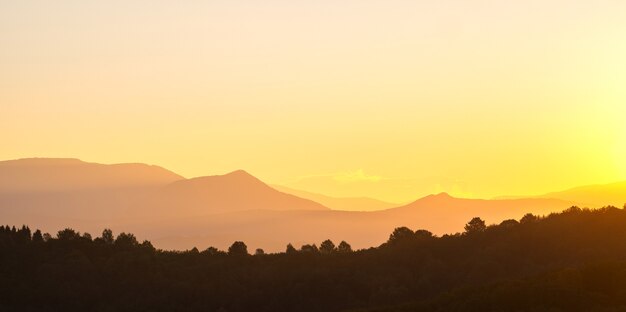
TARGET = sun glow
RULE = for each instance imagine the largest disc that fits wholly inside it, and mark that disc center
(620, 154)
(471, 98)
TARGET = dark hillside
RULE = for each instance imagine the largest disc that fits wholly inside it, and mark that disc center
(571, 261)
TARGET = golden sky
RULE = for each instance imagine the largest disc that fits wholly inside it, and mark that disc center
(389, 99)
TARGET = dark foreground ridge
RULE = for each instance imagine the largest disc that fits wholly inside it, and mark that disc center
(570, 261)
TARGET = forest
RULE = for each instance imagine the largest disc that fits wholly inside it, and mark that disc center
(574, 260)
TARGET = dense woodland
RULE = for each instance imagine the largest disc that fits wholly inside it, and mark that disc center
(569, 261)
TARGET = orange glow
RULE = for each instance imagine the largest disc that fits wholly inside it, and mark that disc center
(392, 100)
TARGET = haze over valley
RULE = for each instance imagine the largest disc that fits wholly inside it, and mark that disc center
(179, 213)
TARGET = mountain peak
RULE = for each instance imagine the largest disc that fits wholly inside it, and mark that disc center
(441, 195)
(71, 174)
(42, 161)
(240, 173)
(241, 176)
(233, 191)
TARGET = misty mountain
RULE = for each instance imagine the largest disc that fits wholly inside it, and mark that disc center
(69, 192)
(66, 174)
(340, 203)
(178, 213)
(235, 191)
(442, 212)
(272, 230)
(594, 195)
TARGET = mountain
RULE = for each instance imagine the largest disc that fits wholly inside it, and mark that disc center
(53, 193)
(340, 203)
(445, 212)
(272, 230)
(594, 195)
(70, 192)
(179, 213)
(234, 191)
(66, 174)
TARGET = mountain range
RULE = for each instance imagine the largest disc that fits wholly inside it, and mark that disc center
(179, 213)
(340, 203)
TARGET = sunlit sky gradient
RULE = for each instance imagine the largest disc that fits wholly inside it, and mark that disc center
(388, 99)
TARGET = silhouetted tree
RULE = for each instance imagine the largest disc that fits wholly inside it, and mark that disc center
(290, 249)
(147, 245)
(126, 240)
(238, 248)
(327, 247)
(259, 252)
(423, 234)
(87, 236)
(309, 249)
(528, 218)
(573, 209)
(24, 234)
(47, 237)
(68, 234)
(509, 223)
(401, 234)
(107, 236)
(211, 251)
(344, 247)
(37, 237)
(476, 225)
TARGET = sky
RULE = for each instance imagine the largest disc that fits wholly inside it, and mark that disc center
(389, 99)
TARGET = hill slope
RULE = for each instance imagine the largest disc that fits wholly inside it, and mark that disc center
(571, 261)
(594, 195)
(271, 229)
(51, 193)
(234, 191)
(442, 212)
(65, 174)
(217, 210)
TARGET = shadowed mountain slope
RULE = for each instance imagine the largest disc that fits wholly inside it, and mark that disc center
(234, 191)
(69, 192)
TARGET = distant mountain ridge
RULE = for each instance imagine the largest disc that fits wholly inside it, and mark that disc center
(179, 213)
(85, 191)
(340, 203)
(594, 195)
(452, 212)
(68, 174)
(234, 191)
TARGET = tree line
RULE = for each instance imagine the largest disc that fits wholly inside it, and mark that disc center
(10, 236)
(569, 261)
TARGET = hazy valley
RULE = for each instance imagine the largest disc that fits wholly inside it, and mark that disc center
(178, 213)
